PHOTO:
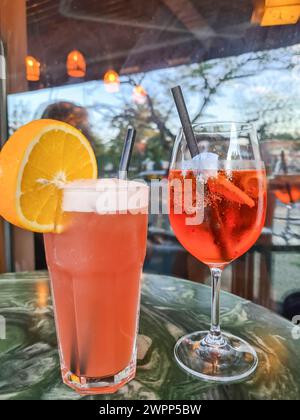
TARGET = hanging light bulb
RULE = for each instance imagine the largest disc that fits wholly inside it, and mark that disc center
(111, 81)
(139, 94)
(32, 69)
(76, 64)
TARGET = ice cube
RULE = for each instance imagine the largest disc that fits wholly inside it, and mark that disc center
(205, 161)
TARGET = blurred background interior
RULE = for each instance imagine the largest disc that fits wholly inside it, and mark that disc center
(101, 65)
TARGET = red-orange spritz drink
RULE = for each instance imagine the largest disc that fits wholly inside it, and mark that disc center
(234, 205)
(95, 266)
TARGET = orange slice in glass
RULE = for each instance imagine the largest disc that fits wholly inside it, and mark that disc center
(222, 186)
(251, 185)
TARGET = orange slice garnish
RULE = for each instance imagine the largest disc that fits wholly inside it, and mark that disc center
(250, 185)
(35, 163)
(222, 186)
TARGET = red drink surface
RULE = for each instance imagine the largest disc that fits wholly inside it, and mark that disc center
(95, 267)
(234, 214)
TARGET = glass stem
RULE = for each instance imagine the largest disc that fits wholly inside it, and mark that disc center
(215, 330)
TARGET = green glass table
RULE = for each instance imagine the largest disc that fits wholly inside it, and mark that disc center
(170, 308)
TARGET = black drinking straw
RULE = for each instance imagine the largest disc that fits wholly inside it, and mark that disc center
(127, 152)
(185, 120)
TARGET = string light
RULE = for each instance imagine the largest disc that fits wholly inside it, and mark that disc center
(139, 94)
(32, 69)
(111, 81)
(76, 64)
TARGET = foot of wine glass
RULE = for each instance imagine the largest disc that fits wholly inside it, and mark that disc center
(213, 355)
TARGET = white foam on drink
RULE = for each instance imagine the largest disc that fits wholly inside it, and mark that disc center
(203, 161)
(106, 196)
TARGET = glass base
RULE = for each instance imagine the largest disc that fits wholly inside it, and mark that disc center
(108, 385)
(224, 358)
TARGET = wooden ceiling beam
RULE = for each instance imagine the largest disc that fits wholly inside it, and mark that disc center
(186, 13)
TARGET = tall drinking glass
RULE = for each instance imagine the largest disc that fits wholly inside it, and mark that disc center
(95, 265)
(217, 211)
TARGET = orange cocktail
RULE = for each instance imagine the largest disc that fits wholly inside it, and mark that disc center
(95, 266)
(234, 205)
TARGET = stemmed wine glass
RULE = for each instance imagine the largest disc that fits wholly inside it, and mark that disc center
(217, 210)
